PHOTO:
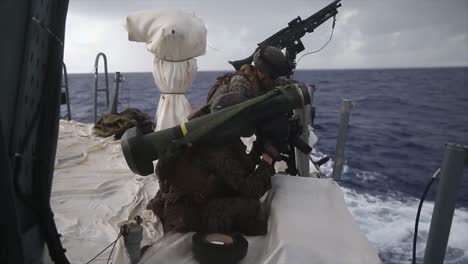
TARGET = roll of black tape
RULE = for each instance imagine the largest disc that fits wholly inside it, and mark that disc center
(214, 248)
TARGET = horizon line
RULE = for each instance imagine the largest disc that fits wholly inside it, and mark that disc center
(317, 69)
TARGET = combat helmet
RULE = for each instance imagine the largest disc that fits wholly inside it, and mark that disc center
(272, 61)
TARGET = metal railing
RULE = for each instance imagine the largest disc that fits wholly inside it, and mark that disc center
(96, 82)
(115, 97)
(65, 86)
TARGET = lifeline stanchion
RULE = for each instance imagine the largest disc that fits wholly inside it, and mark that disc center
(340, 144)
(305, 116)
(456, 157)
(115, 97)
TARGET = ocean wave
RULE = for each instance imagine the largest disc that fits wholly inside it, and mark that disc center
(387, 217)
(389, 226)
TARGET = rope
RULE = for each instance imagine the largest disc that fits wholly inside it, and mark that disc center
(112, 250)
(416, 224)
(213, 48)
(48, 30)
(102, 251)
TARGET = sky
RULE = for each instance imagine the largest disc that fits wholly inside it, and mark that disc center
(368, 33)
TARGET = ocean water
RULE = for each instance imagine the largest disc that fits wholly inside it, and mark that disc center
(400, 122)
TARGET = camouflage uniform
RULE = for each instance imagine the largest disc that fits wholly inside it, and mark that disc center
(217, 188)
(214, 188)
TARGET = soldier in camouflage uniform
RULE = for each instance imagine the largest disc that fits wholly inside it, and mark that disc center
(216, 188)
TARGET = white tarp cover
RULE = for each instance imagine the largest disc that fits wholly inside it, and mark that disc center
(171, 35)
(173, 79)
(175, 38)
(94, 191)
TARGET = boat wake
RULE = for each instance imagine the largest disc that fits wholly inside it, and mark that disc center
(388, 219)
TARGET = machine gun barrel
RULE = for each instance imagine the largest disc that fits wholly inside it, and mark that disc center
(289, 38)
(317, 19)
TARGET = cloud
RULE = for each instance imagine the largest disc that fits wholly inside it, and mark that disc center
(86, 36)
(367, 33)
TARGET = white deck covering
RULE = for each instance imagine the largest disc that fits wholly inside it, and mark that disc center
(93, 191)
(309, 223)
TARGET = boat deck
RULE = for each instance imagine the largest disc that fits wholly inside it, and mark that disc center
(94, 191)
